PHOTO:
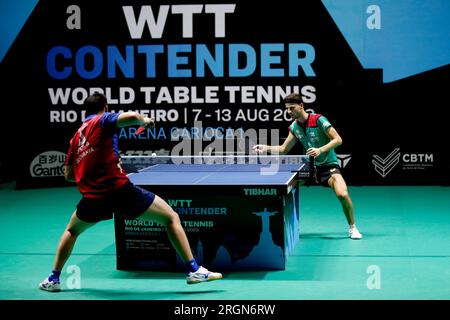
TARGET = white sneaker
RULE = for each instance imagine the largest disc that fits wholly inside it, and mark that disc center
(354, 234)
(202, 275)
(51, 286)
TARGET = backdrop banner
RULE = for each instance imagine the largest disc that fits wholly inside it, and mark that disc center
(217, 71)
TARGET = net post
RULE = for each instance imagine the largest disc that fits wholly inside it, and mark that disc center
(312, 167)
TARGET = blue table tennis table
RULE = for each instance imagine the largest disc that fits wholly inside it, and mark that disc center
(236, 211)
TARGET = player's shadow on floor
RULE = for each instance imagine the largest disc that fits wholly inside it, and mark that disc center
(111, 293)
(246, 274)
(127, 274)
(326, 236)
(236, 275)
(154, 275)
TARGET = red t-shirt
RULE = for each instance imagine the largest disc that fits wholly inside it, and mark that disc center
(94, 155)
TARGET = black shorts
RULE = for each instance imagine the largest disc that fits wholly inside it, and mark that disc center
(323, 173)
(129, 201)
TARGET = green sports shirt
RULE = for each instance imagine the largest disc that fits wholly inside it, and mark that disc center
(312, 134)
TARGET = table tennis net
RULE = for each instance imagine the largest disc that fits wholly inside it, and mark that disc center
(241, 163)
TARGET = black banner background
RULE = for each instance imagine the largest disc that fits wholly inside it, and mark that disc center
(372, 117)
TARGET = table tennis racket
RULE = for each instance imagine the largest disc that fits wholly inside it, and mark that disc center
(139, 130)
(142, 128)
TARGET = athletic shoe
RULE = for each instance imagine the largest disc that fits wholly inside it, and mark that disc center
(202, 275)
(51, 286)
(354, 234)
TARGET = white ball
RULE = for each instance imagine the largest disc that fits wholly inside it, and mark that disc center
(153, 154)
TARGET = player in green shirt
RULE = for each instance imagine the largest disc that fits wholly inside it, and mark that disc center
(319, 139)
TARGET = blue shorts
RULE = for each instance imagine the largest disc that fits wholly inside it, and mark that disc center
(129, 201)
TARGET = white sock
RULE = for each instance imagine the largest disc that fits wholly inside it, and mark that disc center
(352, 226)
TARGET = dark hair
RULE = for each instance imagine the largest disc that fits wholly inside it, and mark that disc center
(293, 98)
(95, 103)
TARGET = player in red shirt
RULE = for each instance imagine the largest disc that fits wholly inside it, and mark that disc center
(93, 162)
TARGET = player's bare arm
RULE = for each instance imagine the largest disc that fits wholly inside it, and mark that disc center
(335, 141)
(68, 174)
(288, 144)
(132, 118)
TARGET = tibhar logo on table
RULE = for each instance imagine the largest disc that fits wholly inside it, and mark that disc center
(260, 192)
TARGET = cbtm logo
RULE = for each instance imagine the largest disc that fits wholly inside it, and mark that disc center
(408, 161)
(385, 165)
(48, 164)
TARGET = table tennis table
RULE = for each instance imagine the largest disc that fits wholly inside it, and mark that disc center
(236, 211)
